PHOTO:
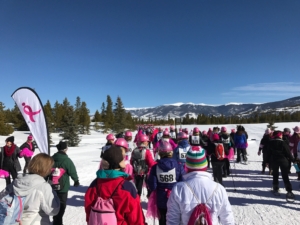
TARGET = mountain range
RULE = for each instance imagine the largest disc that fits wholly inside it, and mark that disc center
(179, 110)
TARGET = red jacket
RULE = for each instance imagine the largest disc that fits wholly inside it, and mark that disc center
(125, 198)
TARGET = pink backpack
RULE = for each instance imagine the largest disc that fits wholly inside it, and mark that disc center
(200, 214)
(103, 211)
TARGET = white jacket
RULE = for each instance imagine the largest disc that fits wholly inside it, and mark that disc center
(182, 201)
(41, 201)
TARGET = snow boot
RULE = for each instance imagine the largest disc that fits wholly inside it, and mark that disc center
(298, 176)
(290, 197)
(263, 170)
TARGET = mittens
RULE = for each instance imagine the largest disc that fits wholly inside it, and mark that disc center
(76, 183)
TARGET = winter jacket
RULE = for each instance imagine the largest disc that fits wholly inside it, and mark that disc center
(240, 140)
(163, 176)
(294, 139)
(125, 198)
(182, 201)
(264, 143)
(41, 201)
(148, 158)
(157, 137)
(104, 148)
(286, 138)
(205, 141)
(10, 162)
(61, 160)
(277, 151)
(227, 141)
(26, 145)
(211, 149)
(232, 138)
(182, 148)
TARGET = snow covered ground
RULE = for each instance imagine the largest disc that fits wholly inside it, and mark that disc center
(249, 191)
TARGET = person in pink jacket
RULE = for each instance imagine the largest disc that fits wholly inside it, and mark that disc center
(165, 137)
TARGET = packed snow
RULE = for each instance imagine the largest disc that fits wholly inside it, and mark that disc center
(249, 191)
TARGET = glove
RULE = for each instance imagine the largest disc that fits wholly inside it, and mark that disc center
(76, 183)
(259, 153)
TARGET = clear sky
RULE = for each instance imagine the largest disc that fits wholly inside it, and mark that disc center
(151, 52)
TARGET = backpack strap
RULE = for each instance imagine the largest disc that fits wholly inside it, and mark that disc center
(196, 195)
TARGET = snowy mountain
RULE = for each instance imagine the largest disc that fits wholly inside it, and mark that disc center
(178, 110)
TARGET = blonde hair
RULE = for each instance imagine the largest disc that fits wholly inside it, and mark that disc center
(166, 154)
(41, 164)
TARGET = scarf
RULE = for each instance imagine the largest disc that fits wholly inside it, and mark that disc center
(9, 150)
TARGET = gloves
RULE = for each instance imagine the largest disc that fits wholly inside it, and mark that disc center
(259, 153)
(76, 183)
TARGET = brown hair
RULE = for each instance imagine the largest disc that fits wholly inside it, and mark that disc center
(41, 164)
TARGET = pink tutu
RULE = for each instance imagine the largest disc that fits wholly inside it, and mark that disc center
(152, 211)
(231, 154)
(25, 152)
(3, 173)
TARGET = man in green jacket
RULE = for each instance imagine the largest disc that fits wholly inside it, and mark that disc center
(61, 160)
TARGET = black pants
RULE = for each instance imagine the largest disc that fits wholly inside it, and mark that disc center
(163, 216)
(13, 173)
(226, 167)
(218, 171)
(208, 161)
(58, 219)
(139, 180)
(27, 160)
(284, 168)
(243, 152)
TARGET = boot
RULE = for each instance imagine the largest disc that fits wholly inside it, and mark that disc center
(298, 176)
(263, 170)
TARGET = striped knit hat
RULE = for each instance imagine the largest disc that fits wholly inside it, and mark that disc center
(196, 159)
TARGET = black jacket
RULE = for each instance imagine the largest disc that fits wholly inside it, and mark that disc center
(264, 143)
(277, 151)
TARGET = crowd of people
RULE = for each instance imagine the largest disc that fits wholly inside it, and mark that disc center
(42, 198)
(174, 171)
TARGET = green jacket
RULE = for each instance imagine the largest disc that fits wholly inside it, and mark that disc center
(61, 160)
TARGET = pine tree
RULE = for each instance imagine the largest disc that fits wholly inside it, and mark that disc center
(97, 116)
(17, 119)
(84, 119)
(5, 128)
(109, 115)
(271, 126)
(58, 113)
(68, 124)
(49, 117)
(119, 116)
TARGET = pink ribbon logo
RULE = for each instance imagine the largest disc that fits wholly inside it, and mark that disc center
(28, 110)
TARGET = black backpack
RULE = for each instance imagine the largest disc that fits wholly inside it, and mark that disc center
(139, 164)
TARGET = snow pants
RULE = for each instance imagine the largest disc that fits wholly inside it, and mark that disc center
(218, 171)
(283, 164)
(58, 219)
(244, 154)
(163, 216)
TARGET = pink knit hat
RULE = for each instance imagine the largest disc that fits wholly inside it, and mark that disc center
(296, 129)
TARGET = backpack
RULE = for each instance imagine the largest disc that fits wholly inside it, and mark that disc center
(200, 214)
(219, 151)
(139, 164)
(11, 209)
(56, 180)
(103, 211)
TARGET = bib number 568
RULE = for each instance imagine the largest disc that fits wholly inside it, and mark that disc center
(166, 178)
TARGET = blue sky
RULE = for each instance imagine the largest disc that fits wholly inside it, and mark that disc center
(151, 52)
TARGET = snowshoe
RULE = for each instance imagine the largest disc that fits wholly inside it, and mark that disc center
(276, 192)
(290, 197)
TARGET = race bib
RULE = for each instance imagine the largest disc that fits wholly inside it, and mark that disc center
(182, 153)
(159, 136)
(173, 135)
(226, 141)
(195, 140)
(166, 177)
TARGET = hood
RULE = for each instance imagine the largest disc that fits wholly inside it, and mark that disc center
(24, 184)
(184, 143)
(167, 163)
(110, 174)
(197, 174)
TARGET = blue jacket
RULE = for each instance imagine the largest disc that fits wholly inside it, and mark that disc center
(240, 141)
(162, 179)
(185, 146)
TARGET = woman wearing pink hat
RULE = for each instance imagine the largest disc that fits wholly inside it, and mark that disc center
(28, 145)
(294, 139)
